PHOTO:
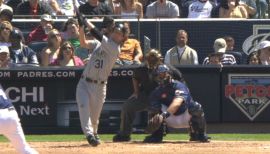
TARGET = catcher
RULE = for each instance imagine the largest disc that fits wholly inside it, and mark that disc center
(172, 105)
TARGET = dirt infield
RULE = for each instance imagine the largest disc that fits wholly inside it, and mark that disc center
(168, 147)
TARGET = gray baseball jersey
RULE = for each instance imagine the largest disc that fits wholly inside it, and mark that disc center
(91, 96)
(102, 59)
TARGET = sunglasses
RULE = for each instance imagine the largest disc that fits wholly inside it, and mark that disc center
(5, 28)
(67, 48)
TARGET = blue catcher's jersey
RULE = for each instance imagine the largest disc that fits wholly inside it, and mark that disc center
(164, 95)
(4, 101)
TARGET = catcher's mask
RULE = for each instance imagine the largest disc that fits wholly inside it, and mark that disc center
(163, 74)
(153, 58)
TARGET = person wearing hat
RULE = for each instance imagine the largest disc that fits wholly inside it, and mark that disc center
(220, 47)
(264, 52)
(4, 6)
(91, 89)
(4, 57)
(40, 33)
(20, 53)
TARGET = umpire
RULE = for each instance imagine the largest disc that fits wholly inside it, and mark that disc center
(143, 84)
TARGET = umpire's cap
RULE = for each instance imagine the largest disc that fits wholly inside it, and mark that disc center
(120, 27)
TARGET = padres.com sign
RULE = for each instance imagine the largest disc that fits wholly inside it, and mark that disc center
(249, 92)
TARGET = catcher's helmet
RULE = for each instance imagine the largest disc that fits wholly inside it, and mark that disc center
(162, 69)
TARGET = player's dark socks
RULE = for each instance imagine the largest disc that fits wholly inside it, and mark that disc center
(121, 138)
(92, 140)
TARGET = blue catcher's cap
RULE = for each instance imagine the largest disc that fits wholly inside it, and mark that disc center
(162, 68)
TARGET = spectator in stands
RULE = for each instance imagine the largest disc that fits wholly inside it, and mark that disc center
(181, 53)
(230, 49)
(63, 7)
(162, 9)
(4, 6)
(7, 15)
(131, 52)
(4, 57)
(50, 53)
(250, 6)
(232, 9)
(262, 6)
(13, 4)
(95, 8)
(66, 56)
(215, 58)
(129, 9)
(197, 9)
(264, 52)
(71, 30)
(253, 59)
(32, 8)
(5, 29)
(40, 33)
(20, 53)
(220, 47)
(145, 3)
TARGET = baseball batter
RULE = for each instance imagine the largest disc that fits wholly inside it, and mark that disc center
(10, 125)
(91, 89)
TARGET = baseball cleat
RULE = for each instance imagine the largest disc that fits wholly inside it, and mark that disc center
(92, 140)
(153, 139)
(97, 138)
(121, 138)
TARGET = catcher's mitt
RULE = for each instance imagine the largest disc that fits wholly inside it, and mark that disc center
(154, 122)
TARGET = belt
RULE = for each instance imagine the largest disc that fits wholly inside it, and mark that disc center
(92, 81)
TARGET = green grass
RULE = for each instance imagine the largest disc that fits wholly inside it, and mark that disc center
(139, 137)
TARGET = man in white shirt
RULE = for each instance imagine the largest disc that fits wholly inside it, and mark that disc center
(198, 9)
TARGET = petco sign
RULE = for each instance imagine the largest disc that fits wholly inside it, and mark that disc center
(249, 92)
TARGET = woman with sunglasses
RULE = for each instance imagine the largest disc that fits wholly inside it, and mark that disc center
(50, 53)
(66, 56)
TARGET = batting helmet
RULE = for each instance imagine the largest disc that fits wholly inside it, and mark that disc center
(120, 27)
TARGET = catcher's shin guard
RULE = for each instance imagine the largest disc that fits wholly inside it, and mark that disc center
(197, 124)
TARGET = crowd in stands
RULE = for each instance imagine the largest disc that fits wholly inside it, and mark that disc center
(63, 47)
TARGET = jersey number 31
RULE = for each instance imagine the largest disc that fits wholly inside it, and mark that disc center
(98, 63)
